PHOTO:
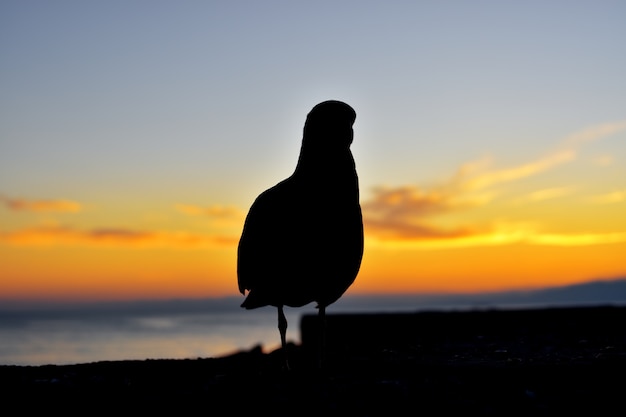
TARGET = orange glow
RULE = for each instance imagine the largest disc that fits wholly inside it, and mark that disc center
(471, 270)
(482, 229)
(99, 274)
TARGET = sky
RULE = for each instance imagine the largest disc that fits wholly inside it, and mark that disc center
(490, 140)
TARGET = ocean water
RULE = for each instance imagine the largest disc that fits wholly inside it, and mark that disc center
(180, 329)
(80, 336)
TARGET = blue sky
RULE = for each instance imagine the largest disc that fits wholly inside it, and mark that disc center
(434, 84)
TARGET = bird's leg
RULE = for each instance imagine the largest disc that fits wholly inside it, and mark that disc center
(322, 335)
(282, 328)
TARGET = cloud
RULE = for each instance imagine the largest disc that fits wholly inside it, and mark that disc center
(522, 171)
(63, 235)
(581, 239)
(566, 152)
(55, 235)
(399, 213)
(603, 160)
(548, 194)
(609, 198)
(506, 234)
(223, 216)
(37, 206)
(407, 215)
(409, 200)
(593, 133)
(403, 231)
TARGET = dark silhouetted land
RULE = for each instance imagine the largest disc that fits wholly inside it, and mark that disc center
(492, 362)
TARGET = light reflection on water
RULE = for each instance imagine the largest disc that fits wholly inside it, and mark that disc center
(183, 336)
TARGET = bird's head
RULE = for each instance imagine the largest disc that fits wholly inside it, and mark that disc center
(328, 126)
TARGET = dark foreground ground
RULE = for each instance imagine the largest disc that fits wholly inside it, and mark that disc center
(500, 363)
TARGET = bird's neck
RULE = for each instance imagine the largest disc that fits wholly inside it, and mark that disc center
(324, 165)
(331, 175)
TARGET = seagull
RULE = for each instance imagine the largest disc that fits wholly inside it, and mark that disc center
(302, 239)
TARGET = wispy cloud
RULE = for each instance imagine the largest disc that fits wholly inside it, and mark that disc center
(609, 198)
(64, 235)
(490, 178)
(603, 160)
(547, 194)
(593, 133)
(566, 151)
(37, 206)
(401, 212)
(55, 235)
(506, 234)
(406, 215)
(580, 239)
(219, 215)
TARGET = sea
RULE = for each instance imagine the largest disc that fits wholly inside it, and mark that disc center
(62, 334)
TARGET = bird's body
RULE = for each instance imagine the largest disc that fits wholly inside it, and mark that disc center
(302, 240)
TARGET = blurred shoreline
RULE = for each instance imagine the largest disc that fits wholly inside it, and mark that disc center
(518, 362)
(61, 334)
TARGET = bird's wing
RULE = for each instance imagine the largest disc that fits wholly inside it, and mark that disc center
(255, 244)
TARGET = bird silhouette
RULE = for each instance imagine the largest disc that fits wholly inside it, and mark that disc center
(302, 240)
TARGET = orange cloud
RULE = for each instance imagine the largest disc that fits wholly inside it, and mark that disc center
(406, 214)
(506, 234)
(581, 239)
(59, 235)
(64, 206)
(398, 213)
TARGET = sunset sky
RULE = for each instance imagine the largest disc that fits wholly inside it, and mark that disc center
(490, 140)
